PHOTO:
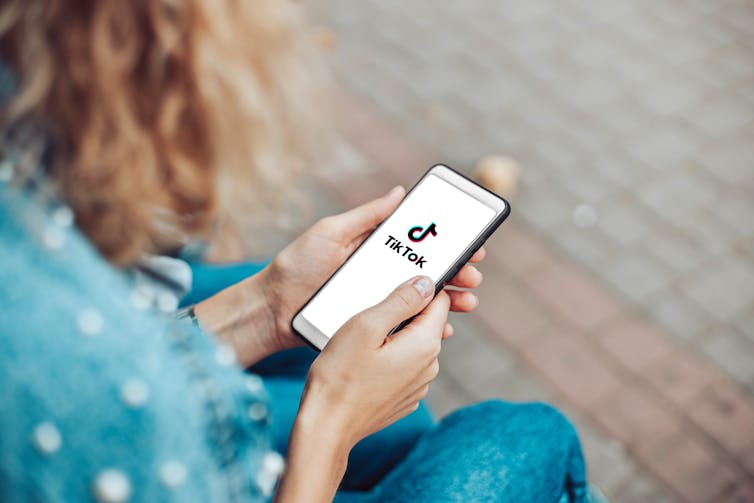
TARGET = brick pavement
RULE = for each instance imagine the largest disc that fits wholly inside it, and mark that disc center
(659, 421)
(642, 111)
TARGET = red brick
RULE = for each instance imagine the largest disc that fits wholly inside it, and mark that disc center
(727, 415)
(573, 295)
(748, 459)
(741, 492)
(572, 366)
(635, 417)
(516, 250)
(691, 467)
(634, 343)
(380, 141)
(681, 377)
(355, 190)
(506, 310)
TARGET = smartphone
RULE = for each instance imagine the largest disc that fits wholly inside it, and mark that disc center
(434, 231)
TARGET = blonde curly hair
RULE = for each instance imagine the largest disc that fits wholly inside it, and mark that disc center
(166, 117)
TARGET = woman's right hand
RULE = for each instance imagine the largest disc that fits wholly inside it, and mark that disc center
(362, 382)
(367, 380)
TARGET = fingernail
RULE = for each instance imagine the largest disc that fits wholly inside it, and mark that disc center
(394, 191)
(424, 286)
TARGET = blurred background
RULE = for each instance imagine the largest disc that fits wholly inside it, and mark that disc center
(622, 287)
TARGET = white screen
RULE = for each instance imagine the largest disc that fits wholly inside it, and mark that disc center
(376, 269)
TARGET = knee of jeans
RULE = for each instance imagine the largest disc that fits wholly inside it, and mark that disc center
(538, 418)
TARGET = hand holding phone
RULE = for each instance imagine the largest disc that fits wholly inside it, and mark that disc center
(443, 220)
(371, 383)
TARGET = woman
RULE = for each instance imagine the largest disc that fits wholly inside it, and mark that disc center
(131, 129)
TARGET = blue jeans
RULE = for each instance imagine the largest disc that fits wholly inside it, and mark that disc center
(491, 451)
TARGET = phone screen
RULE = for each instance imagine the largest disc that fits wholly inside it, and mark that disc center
(427, 233)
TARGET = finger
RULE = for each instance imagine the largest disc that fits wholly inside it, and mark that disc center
(422, 336)
(447, 331)
(430, 372)
(415, 396)
(402, 412)
(468, 277)
(462, 301)
(403, 303)
(366, 217)
(478, 255)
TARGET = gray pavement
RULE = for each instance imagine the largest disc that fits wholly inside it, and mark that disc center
(643, 111)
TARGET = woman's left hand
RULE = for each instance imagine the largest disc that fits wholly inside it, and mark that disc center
(304, 265)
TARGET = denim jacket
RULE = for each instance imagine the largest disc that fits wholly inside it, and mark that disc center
(105, 397)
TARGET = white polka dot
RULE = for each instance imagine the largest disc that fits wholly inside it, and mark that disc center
(53, 238)
(267, 476)
(63, 216)
(6, 170)
(47, 438)
(253, 383)
(167, 302)
(273, 462)
(112, 486)
(257, 411)
(173, 474)
(134, 393)
(225, 355)
(140, 300)
(90, 322)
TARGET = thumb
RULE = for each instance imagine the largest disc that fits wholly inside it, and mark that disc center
(402, 303)
(355, 222)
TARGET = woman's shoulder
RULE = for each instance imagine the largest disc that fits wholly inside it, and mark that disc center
(101, 393)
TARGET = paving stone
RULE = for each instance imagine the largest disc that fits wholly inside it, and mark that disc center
(635, 417)
(681, 317)
(691, 467)
(572, 367)
(748, 460)
(721, 116)
(513, 385)
(745, 325)
(727, 415)
(587, 187)
(586, 246)
(731, 209)
(445, 396)
(515, 251)
(610, 466)
(723, 289)
(663, 147)
(676, 251)
(668, 96)
(511, 313)
(641, 109)
(742, 492)
(636, 276)
(681, 377)
(469, 358)
(730, 159)
(625, 224)
(581, 302)
(676, 196)
(707, 235)
(634, 343)
(643, 490)
(732, 352)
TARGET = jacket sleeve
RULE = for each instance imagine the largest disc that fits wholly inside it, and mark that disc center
(105, 402)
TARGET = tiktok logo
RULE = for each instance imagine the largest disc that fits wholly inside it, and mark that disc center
(415, 234)
(412, 233)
